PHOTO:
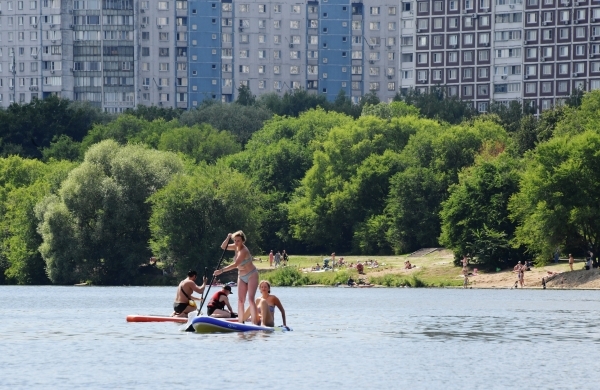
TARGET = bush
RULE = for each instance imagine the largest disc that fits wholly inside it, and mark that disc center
(287, 276)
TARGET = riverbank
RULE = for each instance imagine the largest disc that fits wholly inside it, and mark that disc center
(433, 270)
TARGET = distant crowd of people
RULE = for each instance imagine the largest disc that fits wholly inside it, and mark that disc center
(278, 258)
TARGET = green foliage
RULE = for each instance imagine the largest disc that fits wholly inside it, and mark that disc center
(392, 110)
(96, 227)
(277, 157)
(293, 103)
(241, 121)
(475, 216)
(349, 180)
(558, 202)
(200, 142)
(193, 213)
(152, 113)
(436, 104)
(23, 184)
(25, 129)
(245, 96)
(286, 276)
(392, 280)
(433, 160)
(62, 148)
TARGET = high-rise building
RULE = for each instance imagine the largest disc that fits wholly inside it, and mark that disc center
(177, 53)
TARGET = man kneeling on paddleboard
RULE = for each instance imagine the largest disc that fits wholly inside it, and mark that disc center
(218, 302)
(184, 301)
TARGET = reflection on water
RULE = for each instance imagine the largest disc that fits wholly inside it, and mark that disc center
(419, 338)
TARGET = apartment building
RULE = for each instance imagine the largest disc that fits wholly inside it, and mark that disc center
(177, 53)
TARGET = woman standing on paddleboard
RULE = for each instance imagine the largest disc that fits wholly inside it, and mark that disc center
(247, 272)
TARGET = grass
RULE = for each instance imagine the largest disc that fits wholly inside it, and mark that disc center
(434, 270)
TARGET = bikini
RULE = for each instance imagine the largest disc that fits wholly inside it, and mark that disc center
(246, 278)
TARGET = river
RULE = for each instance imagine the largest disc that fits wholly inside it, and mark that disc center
(77, 337)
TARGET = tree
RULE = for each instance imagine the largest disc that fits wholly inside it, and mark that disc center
(277, 158)
(434, 159)
(293, 102)
(241, 121)
(245, 96)
(62, 148)
(475, 217)
(152, 113)
(193, 213)
(436, 104)
(392, 110)
(558, 202)
(200, 142)
(21, 240)
(25, 129)
(348, 181)
(96, 227)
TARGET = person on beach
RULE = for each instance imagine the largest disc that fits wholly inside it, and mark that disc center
(266, 307)
(277, 259)
(217, 303)
(271, 256)
(285, 258)
(571, 261)
(184, 300)
(247, 272)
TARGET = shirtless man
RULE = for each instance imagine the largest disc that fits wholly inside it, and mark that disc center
(184, 301)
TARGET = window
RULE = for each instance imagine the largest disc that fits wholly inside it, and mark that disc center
(437, 58)
(437, 74)
(453, 22)
(422, 58)
(531, 52)
(530, 87)
(562, 86)
(423, 6)
(453, 56)
(452, 74)
(563, 69)
(468, 39)
(547, 34)
(484, 55)
(563, 51)
(482, 89)
(374, 10)
(391, 10)
(468, 90)
(468, 56)
(483, 73)
(532, 17)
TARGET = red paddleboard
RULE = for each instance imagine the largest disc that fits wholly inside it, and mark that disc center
(155, 318)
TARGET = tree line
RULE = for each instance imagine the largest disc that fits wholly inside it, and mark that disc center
(86, 195)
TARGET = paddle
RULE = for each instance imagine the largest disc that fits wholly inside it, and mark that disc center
(188, 326)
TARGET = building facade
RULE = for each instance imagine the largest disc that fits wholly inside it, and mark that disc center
(176, 53)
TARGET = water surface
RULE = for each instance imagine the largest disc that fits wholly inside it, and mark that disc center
(77, 337)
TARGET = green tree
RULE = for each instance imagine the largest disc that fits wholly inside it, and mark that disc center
(348, 181)
(392, 110)
(62, 148)
(21, 240)
(436, 104)
(26, 129)
(434, 159)
(201, 142)
(558, 201)
(152, 113)
(96, 228)
(245, 96)
(193, 213)
(241, 121)
(276, 158)
(475, 217)
(293, 102)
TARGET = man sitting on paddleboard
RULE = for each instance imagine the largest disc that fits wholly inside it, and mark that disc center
(184, 301)
(218, 302)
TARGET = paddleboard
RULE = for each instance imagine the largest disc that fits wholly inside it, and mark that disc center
(155, 318)
(216, 325)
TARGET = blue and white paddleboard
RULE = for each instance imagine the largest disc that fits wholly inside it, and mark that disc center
(217, 325)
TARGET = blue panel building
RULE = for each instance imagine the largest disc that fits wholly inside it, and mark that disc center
(335, 48)
(205, 47)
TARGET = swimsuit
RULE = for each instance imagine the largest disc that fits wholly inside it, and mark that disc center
(179, 307)
(246, 278)
(271, 309)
